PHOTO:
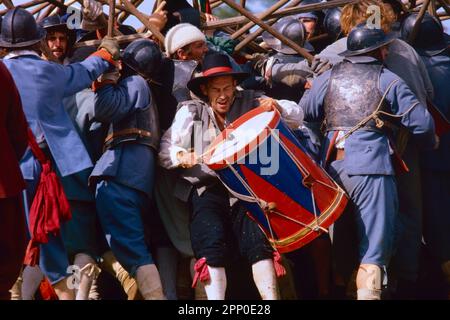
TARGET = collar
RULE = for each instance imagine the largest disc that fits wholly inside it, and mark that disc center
(19, 53)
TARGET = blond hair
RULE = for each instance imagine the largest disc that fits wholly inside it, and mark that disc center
(356, 13)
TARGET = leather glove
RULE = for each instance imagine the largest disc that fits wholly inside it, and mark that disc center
(319, 65)
(91, 10)
(111, 46)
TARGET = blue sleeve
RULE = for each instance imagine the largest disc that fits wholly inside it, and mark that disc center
(79, 76)
(312, 100)
(114, 102)
(416, 117)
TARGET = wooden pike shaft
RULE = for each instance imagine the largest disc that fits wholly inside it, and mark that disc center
(144, 20)
(119, 39)
(445, 6)
(8, 4)
(112, 13)
(258, 32)
(46, 13)
(280, 13)
(124, 15)
(419, 18)
(264, 15)
(269, 29)
(118, 6)
(38, 8)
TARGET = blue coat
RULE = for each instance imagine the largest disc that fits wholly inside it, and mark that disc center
(439, 70)
(42, 86)
(130, 164)
(367, 152)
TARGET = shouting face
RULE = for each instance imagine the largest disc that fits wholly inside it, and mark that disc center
(220, 93)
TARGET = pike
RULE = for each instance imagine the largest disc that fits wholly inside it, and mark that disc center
(121, 39)
(269, 29)
(112, 12)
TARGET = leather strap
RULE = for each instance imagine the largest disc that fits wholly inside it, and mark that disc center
(127, 132)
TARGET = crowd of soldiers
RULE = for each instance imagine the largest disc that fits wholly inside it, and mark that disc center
(99, 172)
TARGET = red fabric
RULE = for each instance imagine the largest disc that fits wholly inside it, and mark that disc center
(215, 70)
(46, 290)
(13, 136)
(280, 271)
(49, 208)
(97, 85)
(441, 123)
(105, 55)
(201, 272)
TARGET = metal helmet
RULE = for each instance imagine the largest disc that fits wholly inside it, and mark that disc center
(143, 56)
(292, 29)
(332, 23)
(19, 29)
(362, 39)
(430, 38)
(317, 14)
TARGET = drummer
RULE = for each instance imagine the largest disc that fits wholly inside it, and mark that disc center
(218, 229)
(359, 157)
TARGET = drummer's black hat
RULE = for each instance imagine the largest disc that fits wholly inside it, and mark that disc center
(213, 66)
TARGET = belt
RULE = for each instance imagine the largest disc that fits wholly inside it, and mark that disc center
(340, 154)
(141, 133)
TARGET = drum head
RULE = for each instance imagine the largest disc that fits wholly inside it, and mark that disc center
(241, 137)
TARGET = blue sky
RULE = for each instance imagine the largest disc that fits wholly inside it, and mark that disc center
(147, 6)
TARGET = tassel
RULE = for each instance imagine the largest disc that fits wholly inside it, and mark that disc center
(201, 272)
(32, 254)
(49, 208)
(280, 271)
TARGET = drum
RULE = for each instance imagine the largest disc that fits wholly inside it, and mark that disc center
(260, 162)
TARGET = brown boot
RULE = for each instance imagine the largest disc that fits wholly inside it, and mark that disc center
(129, 285)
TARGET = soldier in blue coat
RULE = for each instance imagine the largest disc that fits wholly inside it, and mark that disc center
(42, 86)
(351, 98)
(125, 172)
(432, 45)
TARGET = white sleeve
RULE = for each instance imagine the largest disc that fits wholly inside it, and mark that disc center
(292, 113)
(177, 138)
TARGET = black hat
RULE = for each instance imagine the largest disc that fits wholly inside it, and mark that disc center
(54, 22)
(430, 38)
(57, 23)
(214, 65)
(186, 14)
(19, 29)
(362, 39)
